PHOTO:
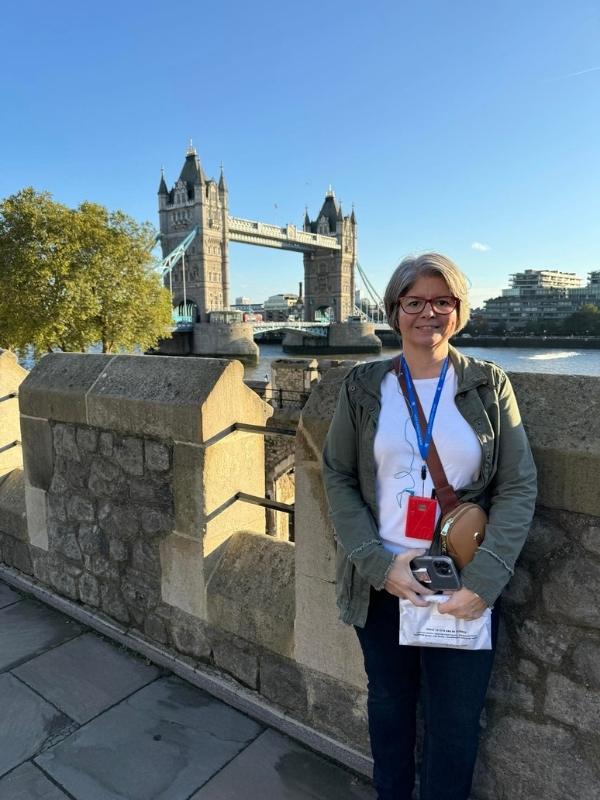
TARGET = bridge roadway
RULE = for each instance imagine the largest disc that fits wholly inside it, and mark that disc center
(289, 237)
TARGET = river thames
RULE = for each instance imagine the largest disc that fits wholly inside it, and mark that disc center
(513, 359)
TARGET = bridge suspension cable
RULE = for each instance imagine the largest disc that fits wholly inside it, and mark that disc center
(376, 298)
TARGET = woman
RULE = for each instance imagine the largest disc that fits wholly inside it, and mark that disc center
(373, 464)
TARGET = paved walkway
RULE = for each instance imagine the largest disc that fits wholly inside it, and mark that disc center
(82, 718)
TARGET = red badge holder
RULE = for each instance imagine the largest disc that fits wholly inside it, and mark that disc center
(420, 518)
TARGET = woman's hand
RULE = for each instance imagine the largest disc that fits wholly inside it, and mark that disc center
(463, 604)
(400, 580)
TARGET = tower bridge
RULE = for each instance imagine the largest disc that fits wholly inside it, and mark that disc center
(197, 203)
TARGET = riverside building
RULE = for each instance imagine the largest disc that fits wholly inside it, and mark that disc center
(541, 295)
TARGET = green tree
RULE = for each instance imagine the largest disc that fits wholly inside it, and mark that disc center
(71, 278)
(585, 322)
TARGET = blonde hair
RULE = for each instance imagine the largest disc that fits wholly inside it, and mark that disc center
(411, 268)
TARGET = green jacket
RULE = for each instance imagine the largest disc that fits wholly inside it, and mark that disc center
(506, 486)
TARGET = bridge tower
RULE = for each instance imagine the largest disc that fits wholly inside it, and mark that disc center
(329, 274)
(197, 201)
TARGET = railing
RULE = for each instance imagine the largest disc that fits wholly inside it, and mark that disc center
(16, 443)
(285, 398)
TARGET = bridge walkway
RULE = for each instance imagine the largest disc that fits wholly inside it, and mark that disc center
(85, 719)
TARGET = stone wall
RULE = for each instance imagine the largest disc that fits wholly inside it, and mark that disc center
(11, 377)
(130, 475)
(542, 731)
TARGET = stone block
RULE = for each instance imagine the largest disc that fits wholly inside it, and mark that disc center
(38, 457)
(92, 541)
(62, 539)
(188, 487)
(89, 590)
(586, 660)
(87, 439)
(187, 400)
(520, 588)
(156, 522)
(236, 657)
(567, 479)
(317, 414)
(525, 759)
(56, 388)
(182, 574)
(16, 553)
(576, 582)
(315, 545)
(188, 634)
(546, 642)
(322, 642)
(107, 480)
(152, 490)
(129, 453)
(251, 591)
(80, 508)
(338, 708)
(112, 602)
(157, 456)
(547, 536)
(105, 444)
(118, 521)
(145, 557)
(590, 538)
(37, 524)
(506, 689)
(283, 681)
(13, 514)
(572, 703)
(234, 464)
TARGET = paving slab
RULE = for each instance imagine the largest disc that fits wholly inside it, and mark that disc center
(162, 743)
(276, 767)
(28, 723)
(7, 596)
(86, 676)
(28, 628)
(29, 783)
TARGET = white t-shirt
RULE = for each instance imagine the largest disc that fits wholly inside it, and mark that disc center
(398, 461)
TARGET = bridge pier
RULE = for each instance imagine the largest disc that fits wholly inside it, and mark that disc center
(342, 337)
(225, 340)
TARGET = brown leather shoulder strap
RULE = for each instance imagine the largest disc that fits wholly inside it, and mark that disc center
(445, 493)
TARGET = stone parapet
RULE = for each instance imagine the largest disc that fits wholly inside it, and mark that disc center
(541, 734)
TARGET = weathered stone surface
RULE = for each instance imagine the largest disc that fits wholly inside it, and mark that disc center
(520, 588)
(37, 516)
(62, 538)
(87, 439)
(283, 770)
(546, 642)
(129, 453)
(586, 659)
(151, 491)
(106, 480)
(188, 472)
(145, 557)
(16, 554)
(520, 757)
(590, 539)
(283, 682)
(31, 721)
(338, 708)
(112, 601)
(546, 536)
(118, 550)
(141, 591)
(175, 728)
(118, 521)
(157, 456)
(56, 389)
(92, 540)
(189, 636)
(528, 670)
(102, 567)
(65, 441)
(154, 628)
(237, 658)
(80, 509)
(572, 703)
(576, 582)
(86, 676)
(64, 583)
(505, 689)
(13, 516)
(182, 572)
(155, 522)
(105, 445)
(36, 438)
(27, 782)
(89, 590)
(251, 591)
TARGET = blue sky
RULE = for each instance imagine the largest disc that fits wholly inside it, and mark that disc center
(446, 122)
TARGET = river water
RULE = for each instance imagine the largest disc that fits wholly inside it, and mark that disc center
(512, 359)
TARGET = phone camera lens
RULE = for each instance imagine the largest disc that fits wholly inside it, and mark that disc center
(442, 568)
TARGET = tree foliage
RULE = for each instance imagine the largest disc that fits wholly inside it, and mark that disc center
(71, 278)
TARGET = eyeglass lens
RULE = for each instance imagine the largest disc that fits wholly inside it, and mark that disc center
(440, 305)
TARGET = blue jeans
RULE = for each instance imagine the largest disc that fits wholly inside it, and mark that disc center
(451, 685)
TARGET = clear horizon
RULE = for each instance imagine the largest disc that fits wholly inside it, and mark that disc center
(466, 128)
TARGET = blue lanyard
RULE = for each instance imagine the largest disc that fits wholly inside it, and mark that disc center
(414, 410)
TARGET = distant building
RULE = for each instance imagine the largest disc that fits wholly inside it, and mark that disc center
(279, 307)
(242, 301)
(540, 295)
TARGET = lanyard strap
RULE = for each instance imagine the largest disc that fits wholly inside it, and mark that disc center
(423, 441)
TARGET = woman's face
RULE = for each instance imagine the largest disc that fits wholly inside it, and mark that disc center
(427, 329)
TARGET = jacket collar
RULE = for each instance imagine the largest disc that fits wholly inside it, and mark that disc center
(469, 374)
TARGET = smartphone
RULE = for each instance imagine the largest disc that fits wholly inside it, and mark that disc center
(437, 573)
